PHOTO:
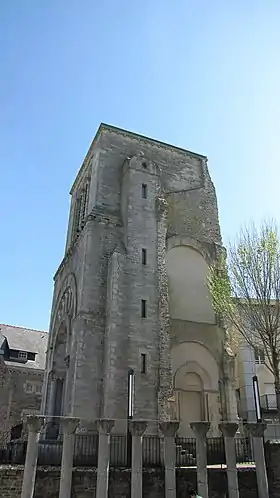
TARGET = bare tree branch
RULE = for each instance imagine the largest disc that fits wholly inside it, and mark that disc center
(245, 290)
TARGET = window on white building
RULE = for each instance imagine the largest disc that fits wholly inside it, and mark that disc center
(22, 355)
(28, 387)
(33, 387)
(259, 356)
(80, 210)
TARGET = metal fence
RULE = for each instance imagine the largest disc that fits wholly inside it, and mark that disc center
(152, 454)
(244, 451)
(268, 402)
(11, 451)
(186, 452)
(151, 451)
(86, 451)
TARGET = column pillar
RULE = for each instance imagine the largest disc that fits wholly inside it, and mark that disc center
(137, 429)
(50, 430)
(52, 395)
(200, 430)
(34, 425)
(169, 430)
(256, 430)
(228, 429)
(69, 426)
(105, 427)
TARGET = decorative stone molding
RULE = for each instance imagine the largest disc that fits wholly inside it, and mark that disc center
(88, 427)
(104, 218)
(27, 371)
(200, 429)
(66, 302)
(137, 427)
(97, 215)
(204, 248)
(105, 426)
(228, 429)
(69, 425)
(169, 429)
(256, 429)
(34, 423)
(209, 384)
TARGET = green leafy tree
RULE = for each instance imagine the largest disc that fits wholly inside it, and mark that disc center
(245, 289)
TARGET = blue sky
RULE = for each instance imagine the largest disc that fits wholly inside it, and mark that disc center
(198, 74)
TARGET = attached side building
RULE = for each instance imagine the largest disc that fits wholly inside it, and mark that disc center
(22, 366)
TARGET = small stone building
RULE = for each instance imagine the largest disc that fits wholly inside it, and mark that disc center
(131, 291)
(22, 363)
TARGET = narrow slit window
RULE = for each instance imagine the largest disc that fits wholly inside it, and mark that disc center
(144, 190)
(143, 363)
(144, 256)
(143, 308)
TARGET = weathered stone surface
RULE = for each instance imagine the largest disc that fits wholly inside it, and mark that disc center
(272, 453)
(132, 193)
(255, 429)
(21, 381)
(84, 483)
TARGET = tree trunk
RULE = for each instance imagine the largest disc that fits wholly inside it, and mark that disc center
(277, 393)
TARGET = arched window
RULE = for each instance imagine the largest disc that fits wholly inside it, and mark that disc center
(81, 207)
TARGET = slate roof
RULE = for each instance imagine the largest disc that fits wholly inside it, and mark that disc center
(30, 340)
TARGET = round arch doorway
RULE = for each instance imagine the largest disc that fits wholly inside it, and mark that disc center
(189, 393)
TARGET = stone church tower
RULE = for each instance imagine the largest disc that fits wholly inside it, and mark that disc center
(131, 291)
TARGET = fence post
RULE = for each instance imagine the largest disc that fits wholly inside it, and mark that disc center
(256, 430)
(137, 429)
(169, 430)
(34, 425)
(69, 426)
(105, 427)
(200, 430)
(228, 430)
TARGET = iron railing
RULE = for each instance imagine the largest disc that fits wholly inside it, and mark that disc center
(244, 451)
(268, 402)
(86, 451)
(151, 451)
(186, 451)
(118, 451)
(50, 452)
(151, 448)
(11, 450)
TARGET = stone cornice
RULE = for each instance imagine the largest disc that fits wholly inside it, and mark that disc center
(134, 136)
(29, 371)
(102, 217)
(108, 219)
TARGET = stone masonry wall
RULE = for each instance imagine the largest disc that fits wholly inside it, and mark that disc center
(20, 391)
(84, 483)
(272, 453)
(121, 219)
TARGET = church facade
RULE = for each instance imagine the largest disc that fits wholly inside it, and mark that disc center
(131, 292)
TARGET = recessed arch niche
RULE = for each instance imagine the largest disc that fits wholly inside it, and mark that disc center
(189, 297)
(195, 374)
